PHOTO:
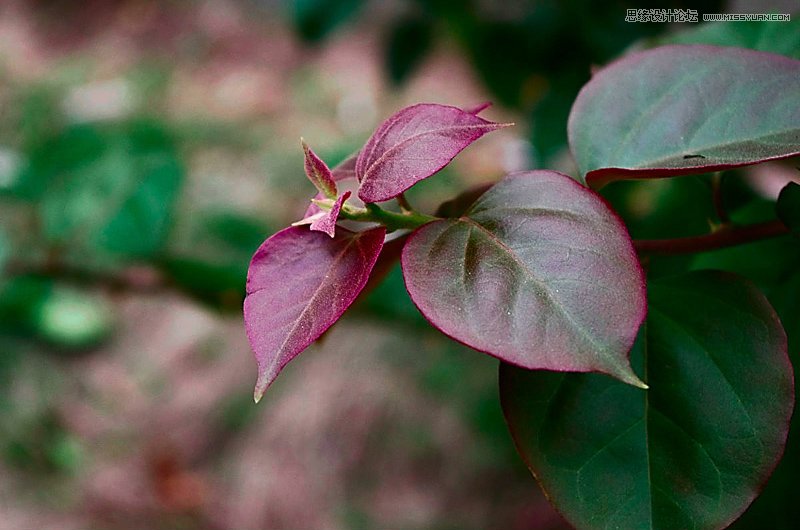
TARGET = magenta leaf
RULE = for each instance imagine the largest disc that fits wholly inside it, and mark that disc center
(299, 283)
(414, 144)
(342, 172)
(679, 110)
(538, 272)
(318, 173)
(327, 222)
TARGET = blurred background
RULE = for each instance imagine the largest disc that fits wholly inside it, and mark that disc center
(147, 148)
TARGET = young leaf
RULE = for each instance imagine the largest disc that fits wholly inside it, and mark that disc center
(691, 452)
(789, 206)
(342, 172)
(414, 144)
(318, 173)
(299, 283)
(678, 110)
(538, 272)
(327, 222)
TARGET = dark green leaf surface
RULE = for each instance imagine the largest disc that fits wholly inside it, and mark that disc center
(315, 19)
(691, 452)
(678, 110)
(789, 206)
(537, 272)
(408, 43)
(774, 37)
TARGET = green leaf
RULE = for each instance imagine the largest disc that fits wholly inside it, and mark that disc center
(315, 19)
(408, 43)
(789, 206)
(117, 197)
(691, 452)
(679, 110)
(5, 253)
(775, 37)
(60, 315)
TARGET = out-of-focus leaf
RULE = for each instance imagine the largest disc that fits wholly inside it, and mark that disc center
(538, 272)
(789, 206)
(679, 110)
(5, 254)
(775, 37)
(412, 145)
(408, 43)
(549, 115)
(299, 283)
(504, 56)
(691, 452)
(315, 19)
(114, 194)
(213, 268)
(63, 316)
(389, 301)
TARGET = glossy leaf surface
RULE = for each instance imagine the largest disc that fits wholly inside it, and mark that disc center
(414, 144)
(538, 272)
(299, 283)
(679, 110)
(695, 449)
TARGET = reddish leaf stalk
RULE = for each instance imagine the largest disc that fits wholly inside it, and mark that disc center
(726, 236)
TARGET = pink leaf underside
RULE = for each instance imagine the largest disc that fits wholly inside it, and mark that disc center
(343, 172)
(299, 283)
(318, 173)
(327, 223)
(414, 144)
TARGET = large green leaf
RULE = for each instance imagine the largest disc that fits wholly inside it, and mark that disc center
(678, 110)
(691, 452)
(118, 198)
(774, 37)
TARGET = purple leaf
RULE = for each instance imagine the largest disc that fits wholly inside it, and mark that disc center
(678, 110)
(414, 144)
(318, 173)
(299, 283)
(342, 172)
(327, 222)
(538, 272)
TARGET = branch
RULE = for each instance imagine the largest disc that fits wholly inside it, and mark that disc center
(719, 202)
(139, 279)
(726, 236)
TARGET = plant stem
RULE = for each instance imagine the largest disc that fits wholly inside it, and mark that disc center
(716, 195)
(405, 206)
(391, 220)
(726, 236)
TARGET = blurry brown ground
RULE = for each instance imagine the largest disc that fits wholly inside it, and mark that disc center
(356, 433)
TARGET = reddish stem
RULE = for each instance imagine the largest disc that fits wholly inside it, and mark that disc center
(727, 236)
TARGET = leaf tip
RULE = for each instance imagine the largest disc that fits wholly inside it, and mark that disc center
(629, 376)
